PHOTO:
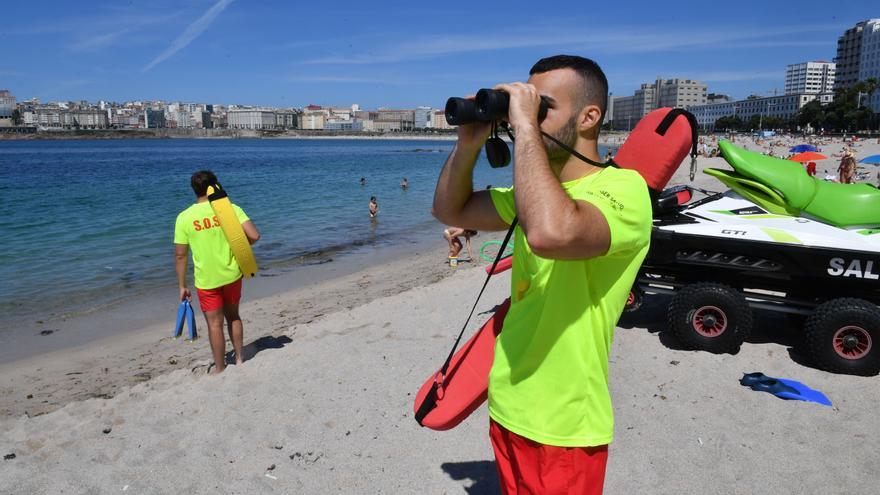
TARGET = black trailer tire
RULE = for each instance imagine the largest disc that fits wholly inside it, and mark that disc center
(843, 336)
(710, 317)
(634, 300)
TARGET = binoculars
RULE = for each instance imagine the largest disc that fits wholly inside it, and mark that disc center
(488, 106)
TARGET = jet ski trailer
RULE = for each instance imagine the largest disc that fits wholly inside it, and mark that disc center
(780, 241)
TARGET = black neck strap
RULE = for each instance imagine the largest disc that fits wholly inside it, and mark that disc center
(578, 155)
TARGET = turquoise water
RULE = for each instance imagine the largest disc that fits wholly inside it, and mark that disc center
(86, 222)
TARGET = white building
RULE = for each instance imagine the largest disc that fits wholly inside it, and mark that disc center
(810, 78)
(869, 60)
(53, 117)
(312, 119)
(251, 118)
(783, 107)
(7, 106)
(424, 117)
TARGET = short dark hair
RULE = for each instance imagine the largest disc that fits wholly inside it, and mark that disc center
(595, 84)
(201, 180)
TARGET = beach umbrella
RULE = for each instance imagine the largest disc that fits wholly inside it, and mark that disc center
(803, 147)
(871, 160)
(807, 156)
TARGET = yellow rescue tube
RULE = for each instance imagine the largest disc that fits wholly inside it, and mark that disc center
(238, 241)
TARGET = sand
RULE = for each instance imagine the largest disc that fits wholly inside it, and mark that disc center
(324, 403)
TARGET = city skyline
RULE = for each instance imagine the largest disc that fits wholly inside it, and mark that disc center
(280, 55)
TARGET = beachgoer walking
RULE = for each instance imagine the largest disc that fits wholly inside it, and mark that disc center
(452, 234)
(811, 169)
(581, 236)
(217, 277)
(404, 184)
(374, 207)
(847, 168)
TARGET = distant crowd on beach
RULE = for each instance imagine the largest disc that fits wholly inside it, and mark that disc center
(848, 170)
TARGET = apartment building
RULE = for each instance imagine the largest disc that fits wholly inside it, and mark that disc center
(675, 93)
(783, 107)
(869, 61)
(849, 52)
(810, 78)
(424, 117)
(439, 120)
(251, 118)
(53, 117)
(7, 106)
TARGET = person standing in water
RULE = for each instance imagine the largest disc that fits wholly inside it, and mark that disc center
(216, 273)
(374, 207)
(404, 184)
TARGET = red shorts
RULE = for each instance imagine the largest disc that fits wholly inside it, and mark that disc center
(525, 466)
(214, 299)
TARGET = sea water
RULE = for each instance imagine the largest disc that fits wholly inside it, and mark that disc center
(85, 223)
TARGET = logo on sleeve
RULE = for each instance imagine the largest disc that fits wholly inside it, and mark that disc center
(617, 205)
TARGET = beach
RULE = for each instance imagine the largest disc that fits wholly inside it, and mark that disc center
(323, 403)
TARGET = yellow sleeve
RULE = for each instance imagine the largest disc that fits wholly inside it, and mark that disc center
(624, 202)
(180, 233)
(502, 198)
(240, 214)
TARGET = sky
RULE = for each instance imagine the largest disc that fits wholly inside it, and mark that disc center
(396, 54)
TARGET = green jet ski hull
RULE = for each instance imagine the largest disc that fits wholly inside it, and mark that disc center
(783, 187)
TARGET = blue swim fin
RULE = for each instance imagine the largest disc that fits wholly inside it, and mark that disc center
(181, 316)
(191, 322)
(806, 393)
(783, 388)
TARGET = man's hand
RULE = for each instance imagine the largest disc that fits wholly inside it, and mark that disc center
(525, 104)
(184, 294)
(473, 136)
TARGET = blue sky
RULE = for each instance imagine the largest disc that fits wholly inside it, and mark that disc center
(396, 54)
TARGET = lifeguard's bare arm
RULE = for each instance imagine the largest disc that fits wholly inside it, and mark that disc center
(181, 252)
(456, 202)
(555, 225)
(251, 232)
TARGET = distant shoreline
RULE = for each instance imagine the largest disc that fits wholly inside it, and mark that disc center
(99, 134)
(108, 134)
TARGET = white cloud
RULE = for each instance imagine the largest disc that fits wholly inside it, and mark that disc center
(613, 41)
(97, 42)
(338, 79)
(189, 34)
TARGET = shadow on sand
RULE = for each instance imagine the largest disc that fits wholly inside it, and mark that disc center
(259, 345)
(483, 475)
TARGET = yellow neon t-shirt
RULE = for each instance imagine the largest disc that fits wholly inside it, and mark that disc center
(213, 263)
(549, 380)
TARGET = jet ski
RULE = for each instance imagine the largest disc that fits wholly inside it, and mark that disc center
(777, 240)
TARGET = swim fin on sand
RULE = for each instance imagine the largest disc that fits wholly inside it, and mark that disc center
(185, 314)
(784, 389)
